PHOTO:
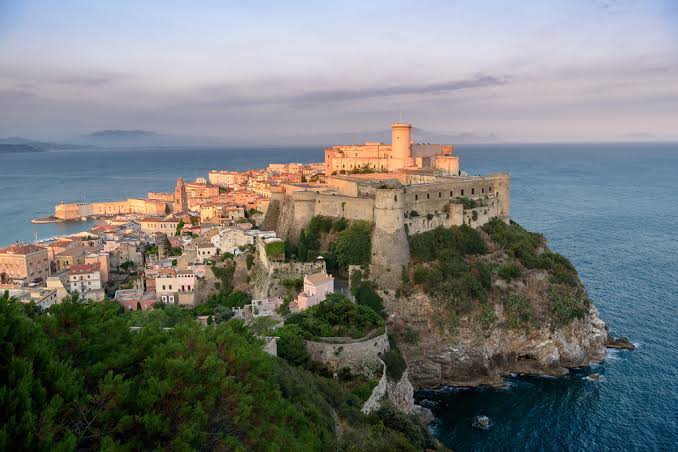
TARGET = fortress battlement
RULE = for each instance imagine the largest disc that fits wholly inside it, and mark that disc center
(414, 195)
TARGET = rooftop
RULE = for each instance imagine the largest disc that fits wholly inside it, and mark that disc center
(21, 249)
(83, 269)
(319, 278)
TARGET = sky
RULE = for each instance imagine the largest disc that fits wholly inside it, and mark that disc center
(524, 70)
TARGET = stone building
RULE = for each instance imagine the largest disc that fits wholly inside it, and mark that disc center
(23, 263)
(180, 201)
(421, 191)
(380, 157)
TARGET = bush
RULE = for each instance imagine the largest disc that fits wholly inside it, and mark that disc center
(518, 312)
(336, 316)
(410, 335)
(291, 346)
(366, 296)
(354, 244)
(420, 274)
(509, 272)
(441, 243)
(395, 363)
(566, 305)
(275, 250)
(486, 316)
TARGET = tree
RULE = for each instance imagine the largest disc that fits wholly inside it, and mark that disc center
(354, 244)
(291, 346)
(180, 226)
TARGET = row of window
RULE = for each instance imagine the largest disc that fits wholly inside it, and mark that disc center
(462, 193)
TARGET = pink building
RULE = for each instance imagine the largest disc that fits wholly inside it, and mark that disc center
(316, 288)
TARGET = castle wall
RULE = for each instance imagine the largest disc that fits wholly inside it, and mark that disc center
(345, 206)
(361, 356)
(390, 249)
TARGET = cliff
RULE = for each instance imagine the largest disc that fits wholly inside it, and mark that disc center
(470, 355)
(504, 304)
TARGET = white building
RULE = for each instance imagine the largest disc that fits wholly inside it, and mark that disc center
(85, 279)
(316, 288)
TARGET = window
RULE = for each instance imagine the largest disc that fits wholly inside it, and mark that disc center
(416, 197)
(395, 198)
(462, 192)
(473, 191)
(482, 190)
(428, 196)
(451, 193)
(490, 189)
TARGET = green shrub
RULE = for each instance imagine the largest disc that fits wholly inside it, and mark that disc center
(420, 274)
(486, 316)
(275, 250)
(467, 202)
(410, 335)
(567, 304)
(293, 284)
(518, 311)
(336, 316)
(509, 272)
(291, 346)
(395, 363)
(354, 244)
(444, 242)
(367, 296)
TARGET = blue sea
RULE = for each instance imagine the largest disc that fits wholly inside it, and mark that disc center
(612, 209)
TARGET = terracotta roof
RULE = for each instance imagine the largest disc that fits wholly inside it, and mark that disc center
(82, 269)
(22, 249)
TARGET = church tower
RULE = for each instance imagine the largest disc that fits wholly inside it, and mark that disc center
(180, 203)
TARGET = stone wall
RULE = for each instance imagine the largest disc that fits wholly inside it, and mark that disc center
(267, 281)
(361, 356)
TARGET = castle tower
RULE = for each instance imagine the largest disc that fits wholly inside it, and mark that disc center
(401, 139)
(180, 202)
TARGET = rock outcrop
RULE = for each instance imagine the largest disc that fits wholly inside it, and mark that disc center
(469, 355)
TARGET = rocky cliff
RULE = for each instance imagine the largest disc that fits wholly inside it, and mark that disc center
(485, 304)
(470, 355)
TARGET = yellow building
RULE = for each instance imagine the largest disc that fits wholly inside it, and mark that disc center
(25, 263)
(401, 153)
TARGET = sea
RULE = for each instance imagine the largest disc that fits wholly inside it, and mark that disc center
(612, 209)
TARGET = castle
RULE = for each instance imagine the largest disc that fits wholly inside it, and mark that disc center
(416, 189)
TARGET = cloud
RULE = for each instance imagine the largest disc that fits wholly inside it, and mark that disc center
(325, 96)
(83, 80)
(220, 96)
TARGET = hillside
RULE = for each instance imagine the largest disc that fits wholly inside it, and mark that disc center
(479, 305)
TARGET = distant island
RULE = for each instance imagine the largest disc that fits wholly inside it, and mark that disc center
(18, 148)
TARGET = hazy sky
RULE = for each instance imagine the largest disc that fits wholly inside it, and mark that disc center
(525, 70)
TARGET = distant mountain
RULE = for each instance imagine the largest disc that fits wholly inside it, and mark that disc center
(143, 138)
(17, 148)
(18, 144)
(384, 136)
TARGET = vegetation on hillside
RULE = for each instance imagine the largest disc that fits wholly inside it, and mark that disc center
(337, 316)
(78, 377)
(350, 242)
(462, 269)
